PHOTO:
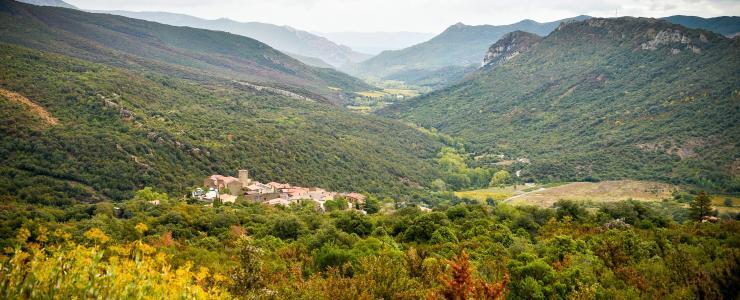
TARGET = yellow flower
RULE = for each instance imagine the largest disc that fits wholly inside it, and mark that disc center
(97, 235)
(23, 235)
(141, 228)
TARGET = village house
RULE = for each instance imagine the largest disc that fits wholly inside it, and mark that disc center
(356, 200)
(260, 188)
(232, 184)
(279, 186)
(272, 193)
(254, 196)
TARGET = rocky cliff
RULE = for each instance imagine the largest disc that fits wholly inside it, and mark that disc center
(509, 46)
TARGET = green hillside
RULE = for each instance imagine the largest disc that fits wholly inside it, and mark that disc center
(74, 129)
(602, 99)
(451, 52)
(179, 51)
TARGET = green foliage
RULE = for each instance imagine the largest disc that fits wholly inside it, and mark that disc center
(500, 178)
(701, 206)
(336, 204)
(354, 222)
(175, 149)
(287, 228)
(588, 103)
(247, 275)
(254, 251)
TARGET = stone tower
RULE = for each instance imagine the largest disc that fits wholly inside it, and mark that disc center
(244, 177)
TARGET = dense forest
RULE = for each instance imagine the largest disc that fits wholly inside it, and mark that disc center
(120, 130)
(461, 250)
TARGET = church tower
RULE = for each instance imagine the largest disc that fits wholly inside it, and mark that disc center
(244, 177)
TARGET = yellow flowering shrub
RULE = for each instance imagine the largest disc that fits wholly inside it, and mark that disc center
(128, 271)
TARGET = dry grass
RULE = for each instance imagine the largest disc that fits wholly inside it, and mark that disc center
(32, 106)
(719, 200)
(497, 193)
(605, 191)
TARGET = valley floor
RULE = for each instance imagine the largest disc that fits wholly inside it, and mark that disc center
(547, 195)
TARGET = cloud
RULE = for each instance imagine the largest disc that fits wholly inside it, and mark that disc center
(413, 15)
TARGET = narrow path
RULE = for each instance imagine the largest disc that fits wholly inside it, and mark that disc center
(507, 200)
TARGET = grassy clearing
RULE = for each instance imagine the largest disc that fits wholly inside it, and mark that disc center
(605, 191)
(719, 200)
(496, 193)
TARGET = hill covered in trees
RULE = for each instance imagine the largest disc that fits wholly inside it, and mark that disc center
(178, 51)
(602, 98)
(86, 121)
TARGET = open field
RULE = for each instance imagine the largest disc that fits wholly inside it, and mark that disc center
(496, 193)
(605, 191)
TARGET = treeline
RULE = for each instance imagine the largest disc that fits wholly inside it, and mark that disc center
(623, 250)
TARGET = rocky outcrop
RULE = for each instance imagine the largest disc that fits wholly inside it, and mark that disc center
(509, 46)
(676, 39)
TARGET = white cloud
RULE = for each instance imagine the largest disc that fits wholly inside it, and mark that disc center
(413, 15)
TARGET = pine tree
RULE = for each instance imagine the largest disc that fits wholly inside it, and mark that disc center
(701, 206)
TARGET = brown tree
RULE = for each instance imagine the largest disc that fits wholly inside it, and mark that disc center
(462, 283)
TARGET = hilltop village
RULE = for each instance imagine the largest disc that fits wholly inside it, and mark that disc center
(227, 189)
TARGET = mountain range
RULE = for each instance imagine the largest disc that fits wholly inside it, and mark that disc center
(728, 26)
(376, 42)
(600, 99)
(95, 106)
(445, 57)
(283, 38)
(459, 50)
(55, 3)
(179, 50)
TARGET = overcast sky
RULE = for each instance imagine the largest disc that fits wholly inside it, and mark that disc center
(412, 15)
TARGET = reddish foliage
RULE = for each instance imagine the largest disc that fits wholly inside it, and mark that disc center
(462, 283)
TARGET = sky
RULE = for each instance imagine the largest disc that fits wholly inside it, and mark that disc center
(412, 15)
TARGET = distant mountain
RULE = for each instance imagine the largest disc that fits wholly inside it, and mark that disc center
(311, 61)
(283, 38)
(376, 42)
(146, 45)
(96, 106)
(56, 3)
(600, 99)
(728, 26)
(460, 46)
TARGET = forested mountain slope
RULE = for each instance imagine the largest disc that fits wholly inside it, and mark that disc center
(458, 47)
(74, 129)
(603, 98)
(180, 51)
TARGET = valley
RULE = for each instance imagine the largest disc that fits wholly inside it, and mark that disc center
(149, 154)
